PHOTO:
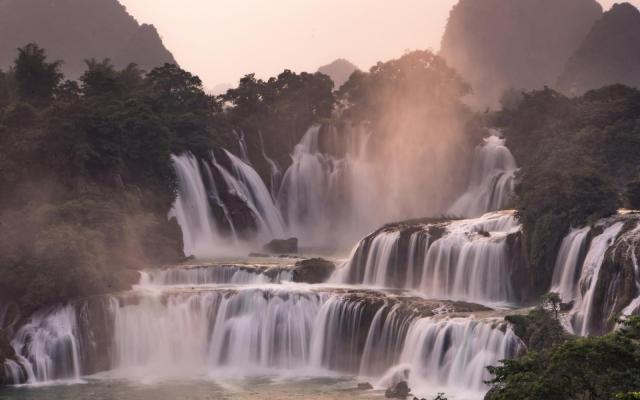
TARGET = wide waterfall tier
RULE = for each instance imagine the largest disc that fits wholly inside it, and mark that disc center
(491, 180)
(597, 270)
(221, 204)
(267, 330)
(460, 259)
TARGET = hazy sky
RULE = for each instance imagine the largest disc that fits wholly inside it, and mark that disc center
(221, 40)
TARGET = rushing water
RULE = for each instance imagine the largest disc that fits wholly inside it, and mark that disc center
(167, 330)
(491, 180)
(461, 260)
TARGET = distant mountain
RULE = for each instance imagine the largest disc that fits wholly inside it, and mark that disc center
(521, 44)
(339, 71)
(609, 54)
(75, 30)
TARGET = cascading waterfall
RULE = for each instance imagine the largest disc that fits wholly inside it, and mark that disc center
(274, 169)
(198, 191)
(192, 210)
(219, 274)
(491, 181)
(589, 278)
(242, 144)
(305, 196)
(49, 347)
(216, 330)
(580, 279)
(245, 182)
(567, 268)
(461, 260)
(451, 353)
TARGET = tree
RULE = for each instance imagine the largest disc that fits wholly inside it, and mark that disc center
(36, 78)
(551, 301)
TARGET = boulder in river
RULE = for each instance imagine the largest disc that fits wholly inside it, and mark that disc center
(399, 391)
(365, 386)
(282, 246)
(314, 270)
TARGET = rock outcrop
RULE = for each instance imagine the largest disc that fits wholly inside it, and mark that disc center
(314, 270)
(282, 246)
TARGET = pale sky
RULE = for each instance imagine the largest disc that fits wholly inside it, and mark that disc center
(221, 40)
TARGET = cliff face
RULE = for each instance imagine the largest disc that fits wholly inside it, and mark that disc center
(609, 54)
(521, 44)
(76, 30)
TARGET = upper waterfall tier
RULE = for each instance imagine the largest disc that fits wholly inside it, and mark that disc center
(597, 269)
(221, 204)
(491, 180)
(461, 259)
(264, 330)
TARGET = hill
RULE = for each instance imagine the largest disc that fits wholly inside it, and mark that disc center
(609, 54)
(339, 71)
(521, 44)
(75, 30)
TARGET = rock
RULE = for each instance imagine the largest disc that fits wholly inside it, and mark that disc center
(365, 386)
(282, 246)
(399, 391)
(314, 270)
(259, 255)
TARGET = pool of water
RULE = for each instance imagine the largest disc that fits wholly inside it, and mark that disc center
(229, 389)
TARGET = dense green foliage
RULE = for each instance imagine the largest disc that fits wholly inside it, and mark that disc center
(606, 367)
(86, 166)
(577, 158)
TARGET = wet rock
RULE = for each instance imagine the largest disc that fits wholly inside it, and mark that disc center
(365, 386)
(314, 270)
(259, 255)
(399, 391)
(282, 246)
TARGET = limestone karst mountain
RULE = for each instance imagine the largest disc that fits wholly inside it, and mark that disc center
(521, 44)
(338, 70)
(609, 54)
(76, 30)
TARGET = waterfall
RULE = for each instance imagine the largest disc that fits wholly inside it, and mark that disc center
(49, 346)
(461, 260)
(268, 330)
(305, 196)
(567, 268)
(215, 183)
(274, 169)
(491, 180)
(589, 278)
(242, 144)
(451, 353)
(245, 182)
(215, 274)
(191, 209)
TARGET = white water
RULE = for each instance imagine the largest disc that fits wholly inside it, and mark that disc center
(203, 237)
(275, 172)
(215, 274)
(49, 346)
(567, 268)
(491, 180)
(282, 330)
(191, 209)
(469, 262)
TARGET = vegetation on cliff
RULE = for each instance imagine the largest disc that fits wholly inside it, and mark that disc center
(578, 159)
(606, 367)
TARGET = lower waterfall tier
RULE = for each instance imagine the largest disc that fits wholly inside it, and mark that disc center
(267, 330)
